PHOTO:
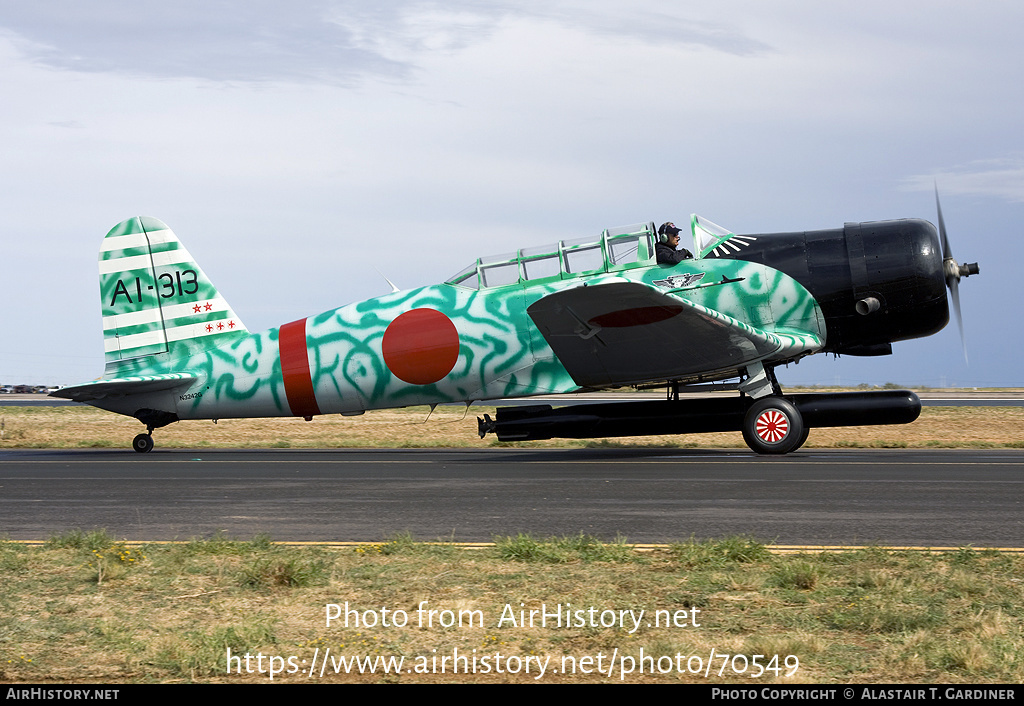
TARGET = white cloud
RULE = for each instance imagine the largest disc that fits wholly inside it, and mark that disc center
(418, 135)
(1001, 178)
(333, 41)
(256, 40)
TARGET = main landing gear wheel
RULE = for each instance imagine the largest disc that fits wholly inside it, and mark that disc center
(773, 425)
(143, 443)
(803, 437)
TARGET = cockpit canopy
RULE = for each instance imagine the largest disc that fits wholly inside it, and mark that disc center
(615, 249)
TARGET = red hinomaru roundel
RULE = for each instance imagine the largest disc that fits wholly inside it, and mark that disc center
(421, 346)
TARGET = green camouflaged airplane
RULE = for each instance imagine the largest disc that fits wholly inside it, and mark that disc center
(574, 316)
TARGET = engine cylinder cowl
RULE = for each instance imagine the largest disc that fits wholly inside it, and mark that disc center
(896, 264)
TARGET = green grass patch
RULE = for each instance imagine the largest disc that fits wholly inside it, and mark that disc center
(560, 550)
(274, 571)
(77, 539)
(739, 550)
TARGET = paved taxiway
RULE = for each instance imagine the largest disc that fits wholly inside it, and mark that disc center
(902, 497)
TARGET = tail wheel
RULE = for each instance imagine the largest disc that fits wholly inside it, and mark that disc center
(773, 425)
(143, 443)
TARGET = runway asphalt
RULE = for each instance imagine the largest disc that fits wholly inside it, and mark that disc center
(812, 497)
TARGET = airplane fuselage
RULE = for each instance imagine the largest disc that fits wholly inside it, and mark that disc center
(576, 315)
(442, 343)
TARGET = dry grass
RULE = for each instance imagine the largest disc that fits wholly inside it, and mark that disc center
(939, 427)
(69, 427)
(170, 616)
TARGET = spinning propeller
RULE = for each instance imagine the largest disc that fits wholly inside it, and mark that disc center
(953, 271)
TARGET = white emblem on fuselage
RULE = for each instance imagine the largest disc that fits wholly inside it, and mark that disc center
(679, 281)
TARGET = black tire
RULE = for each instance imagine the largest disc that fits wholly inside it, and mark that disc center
(803, 437)
(773, 425)
(143, 443)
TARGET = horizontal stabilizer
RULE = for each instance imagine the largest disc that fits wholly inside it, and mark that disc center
(123, 387)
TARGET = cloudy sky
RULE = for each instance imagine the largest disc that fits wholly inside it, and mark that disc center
(297, 148)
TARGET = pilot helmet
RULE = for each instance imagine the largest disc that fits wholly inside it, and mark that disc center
(666, 230)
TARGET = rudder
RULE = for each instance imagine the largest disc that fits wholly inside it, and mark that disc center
(156, 301)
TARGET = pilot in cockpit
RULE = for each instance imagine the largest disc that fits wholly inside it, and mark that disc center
(668, 241)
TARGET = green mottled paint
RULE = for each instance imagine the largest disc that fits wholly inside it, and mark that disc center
(500, 351)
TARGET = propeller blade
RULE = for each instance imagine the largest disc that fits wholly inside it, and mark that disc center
(952, 274)
(946, 251)
(954, 295)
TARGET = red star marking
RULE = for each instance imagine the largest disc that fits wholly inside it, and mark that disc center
(231, 324)
(220, 326)
(208, 328)
(208, 306)
(196, 309)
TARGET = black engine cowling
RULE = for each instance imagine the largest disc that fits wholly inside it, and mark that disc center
(876, 282)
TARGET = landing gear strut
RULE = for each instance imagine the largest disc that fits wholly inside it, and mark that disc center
(153, 419)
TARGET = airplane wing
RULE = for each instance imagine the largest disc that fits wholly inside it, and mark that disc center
(623, 333)
(121, 387)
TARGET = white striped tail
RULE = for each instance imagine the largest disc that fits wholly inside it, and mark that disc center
(156, 301)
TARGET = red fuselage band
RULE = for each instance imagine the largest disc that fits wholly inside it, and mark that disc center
(298, 385)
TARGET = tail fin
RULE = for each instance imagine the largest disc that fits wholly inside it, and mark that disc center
(155, 299)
